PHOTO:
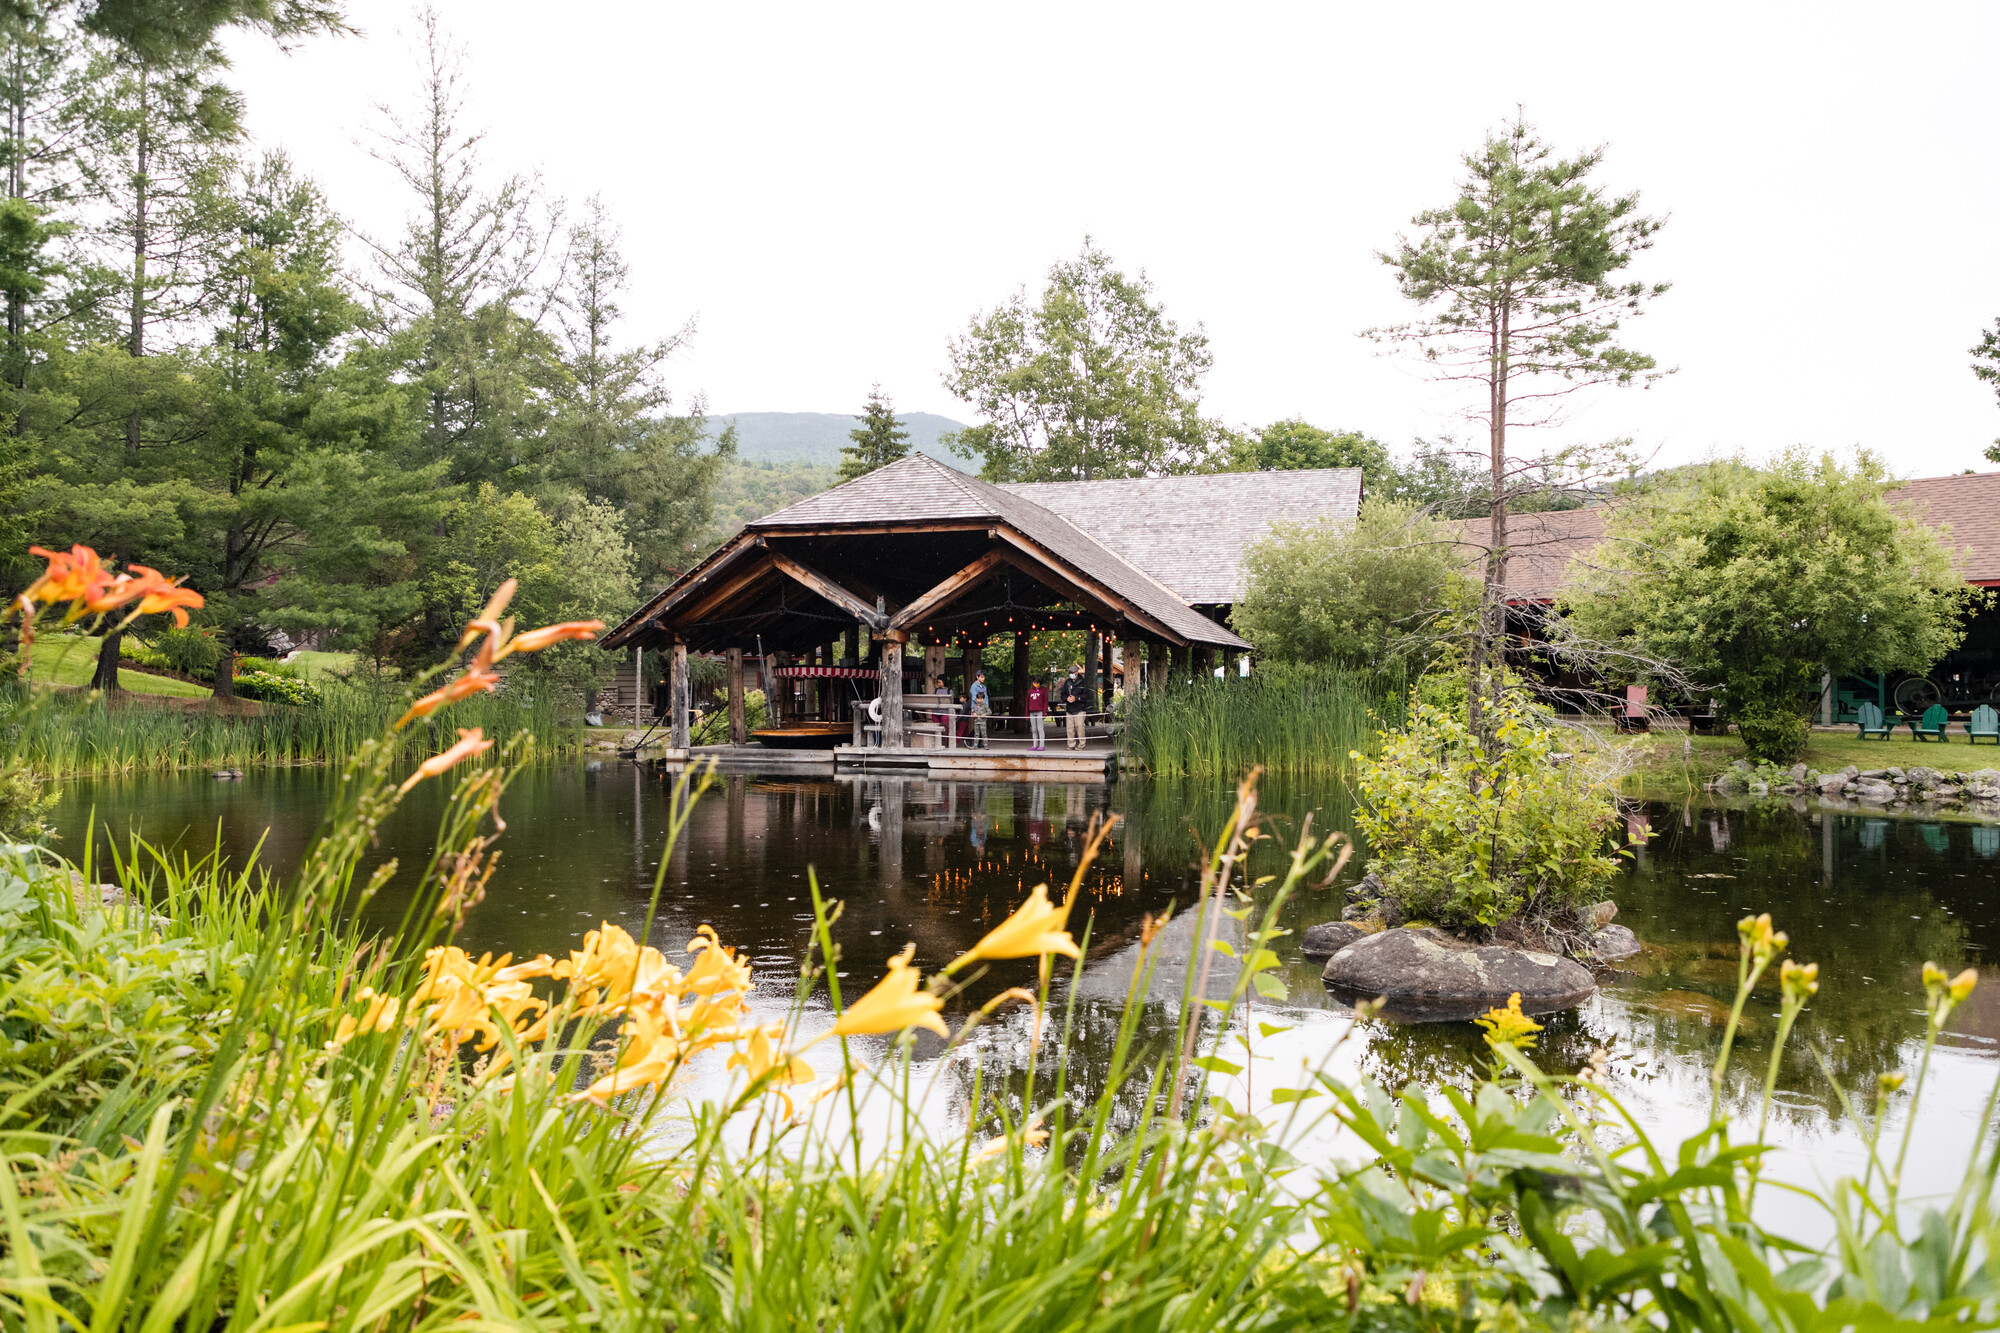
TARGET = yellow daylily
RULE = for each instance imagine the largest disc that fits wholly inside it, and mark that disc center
(894, 1004)
(1035, 930)
(761, 1059)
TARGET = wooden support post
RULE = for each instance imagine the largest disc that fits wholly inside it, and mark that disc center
(1020, 705)
(677, 695)
(1135, 672)
(893, 734)
(739, 729)
(1204, 662)
(1093, 648)
(933, 668)
(1104, 671)
(851, 646)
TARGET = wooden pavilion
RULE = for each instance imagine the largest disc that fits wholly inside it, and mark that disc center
(918, 555)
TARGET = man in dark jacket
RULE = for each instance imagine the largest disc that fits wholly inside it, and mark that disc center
(1076, 703)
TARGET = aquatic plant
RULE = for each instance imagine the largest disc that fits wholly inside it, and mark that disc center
(1467, 836)
(1301, 720)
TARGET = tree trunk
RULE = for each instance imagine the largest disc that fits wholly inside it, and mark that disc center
(677, 696)
(1486, 665)
(225, 675)
(136, 334)
(106, 676)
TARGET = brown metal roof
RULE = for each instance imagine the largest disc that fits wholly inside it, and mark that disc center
(1190, 532)
(1970, 506)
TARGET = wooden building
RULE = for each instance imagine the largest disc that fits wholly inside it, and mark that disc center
(918, 555)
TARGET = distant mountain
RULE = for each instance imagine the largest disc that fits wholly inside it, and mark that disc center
(816, 437)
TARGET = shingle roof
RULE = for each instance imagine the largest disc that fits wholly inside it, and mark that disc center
(919, 489)
(1540, 548)
(1971, 506)
(1190, 532)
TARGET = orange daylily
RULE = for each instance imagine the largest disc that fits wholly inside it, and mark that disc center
(471, 741)
(470, 682)
(488, 621)
(172, 598)
(71, 576)
(894, 1004)
(537, 639)
(1035, 930)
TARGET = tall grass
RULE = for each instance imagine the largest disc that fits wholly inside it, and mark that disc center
(63, 736)
(1285, 719)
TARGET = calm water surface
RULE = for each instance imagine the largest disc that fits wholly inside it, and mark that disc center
(1867, 897)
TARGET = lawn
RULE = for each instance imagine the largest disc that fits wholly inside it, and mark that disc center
(317, 665)
(1672, 759)
(71, 659)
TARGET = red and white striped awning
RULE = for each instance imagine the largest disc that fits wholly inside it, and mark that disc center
(837, 673)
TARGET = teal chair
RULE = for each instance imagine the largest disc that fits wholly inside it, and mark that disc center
(1931, 726)
(1870, 718)
(1983, 725)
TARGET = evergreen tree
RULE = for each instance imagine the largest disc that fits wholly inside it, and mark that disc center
(1519, 281)
(877, 442)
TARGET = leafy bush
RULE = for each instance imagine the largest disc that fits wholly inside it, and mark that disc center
(273, 688)
(192, 652)
(268, 665)
(1773, 735)
(1466, 839)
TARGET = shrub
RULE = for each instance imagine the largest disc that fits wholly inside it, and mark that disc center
(1466, 839)
(192, 652)
(272, 688)
(1774, 734)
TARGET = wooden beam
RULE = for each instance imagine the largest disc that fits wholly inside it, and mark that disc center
(878, 529)
(1114, 605)
(948, 589)
(831, 591)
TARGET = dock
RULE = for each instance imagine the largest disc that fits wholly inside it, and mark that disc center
(1006, 760)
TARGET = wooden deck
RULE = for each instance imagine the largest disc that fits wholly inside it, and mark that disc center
(1099, 763)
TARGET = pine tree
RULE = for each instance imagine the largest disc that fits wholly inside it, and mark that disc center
(878, 442)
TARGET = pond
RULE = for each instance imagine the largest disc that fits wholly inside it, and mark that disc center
(1868, 897)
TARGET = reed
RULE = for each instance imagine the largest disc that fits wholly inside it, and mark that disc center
(63, 735)
(1285, 719)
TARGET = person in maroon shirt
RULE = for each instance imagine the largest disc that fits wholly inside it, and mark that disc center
(1038, 715)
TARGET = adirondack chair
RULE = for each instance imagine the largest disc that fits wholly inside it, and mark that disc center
(1870, 719)
(1983, 725)
(1931, 726)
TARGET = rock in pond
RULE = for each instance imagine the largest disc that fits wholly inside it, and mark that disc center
(1425, 973)
(1612, 944)
(1326, 940)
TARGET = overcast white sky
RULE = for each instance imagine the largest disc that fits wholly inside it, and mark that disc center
(835, 189)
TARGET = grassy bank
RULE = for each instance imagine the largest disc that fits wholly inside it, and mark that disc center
(1296, 720)
(71, 660)
(259, 1120)
(1669, 764)
(64, 736)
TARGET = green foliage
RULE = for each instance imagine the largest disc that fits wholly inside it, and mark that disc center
(1294, 443)
(1986, 365)
(1287, 719)
(1773, 735)
(1465, 837)
(877, 442)
(1378, 592)
(270, 687)
(1093, 381)
(1758, 580)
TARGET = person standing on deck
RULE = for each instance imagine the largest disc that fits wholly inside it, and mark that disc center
(1038, 716)
(1076, 703)
(982, 707)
